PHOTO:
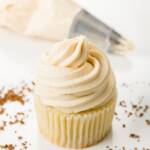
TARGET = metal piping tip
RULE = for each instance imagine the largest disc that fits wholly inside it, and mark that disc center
(122, 47)
(98, 32)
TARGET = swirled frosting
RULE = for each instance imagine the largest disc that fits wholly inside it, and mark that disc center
(75, 76)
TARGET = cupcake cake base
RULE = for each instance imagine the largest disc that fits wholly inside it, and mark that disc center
(74, 130)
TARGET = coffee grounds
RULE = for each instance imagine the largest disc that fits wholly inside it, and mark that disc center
(123, 104)
(10, 95)
(2, 125)
(8, 147)
(123, 125)
(20, 137)
(131, 111)
(2, 110)
(17, 94)
(134, 136)
(147, 122)
(125, 148)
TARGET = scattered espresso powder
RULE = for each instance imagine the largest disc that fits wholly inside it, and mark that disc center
(141, 115)
(134, 106)
(123, 104)
(130, 114)
(115, 113)
(123, 148)
(2, 110)
(146, 108)
(147, 122)
(20, 137)
(9, 95)
(107, 146)
(134, 136)
(7, 146)
(125, 85)
(132, 110)
(123, 125)
(2, 125)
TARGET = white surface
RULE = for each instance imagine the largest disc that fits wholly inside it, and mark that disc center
(19, 56)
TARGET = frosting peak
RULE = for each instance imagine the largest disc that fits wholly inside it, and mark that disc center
(69, 53)
(75, 76)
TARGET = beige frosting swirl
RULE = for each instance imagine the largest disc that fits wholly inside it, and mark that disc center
(75, 76)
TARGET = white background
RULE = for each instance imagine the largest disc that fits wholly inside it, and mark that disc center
(19, 58)
(129, 17)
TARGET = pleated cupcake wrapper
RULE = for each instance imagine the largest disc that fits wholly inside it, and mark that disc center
(74, 130)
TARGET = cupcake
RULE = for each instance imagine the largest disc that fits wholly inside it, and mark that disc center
(75, 94)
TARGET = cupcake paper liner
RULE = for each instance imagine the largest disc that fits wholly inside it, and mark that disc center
(74, 130)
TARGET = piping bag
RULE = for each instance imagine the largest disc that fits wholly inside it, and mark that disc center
(98, 32)
(50, 20)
